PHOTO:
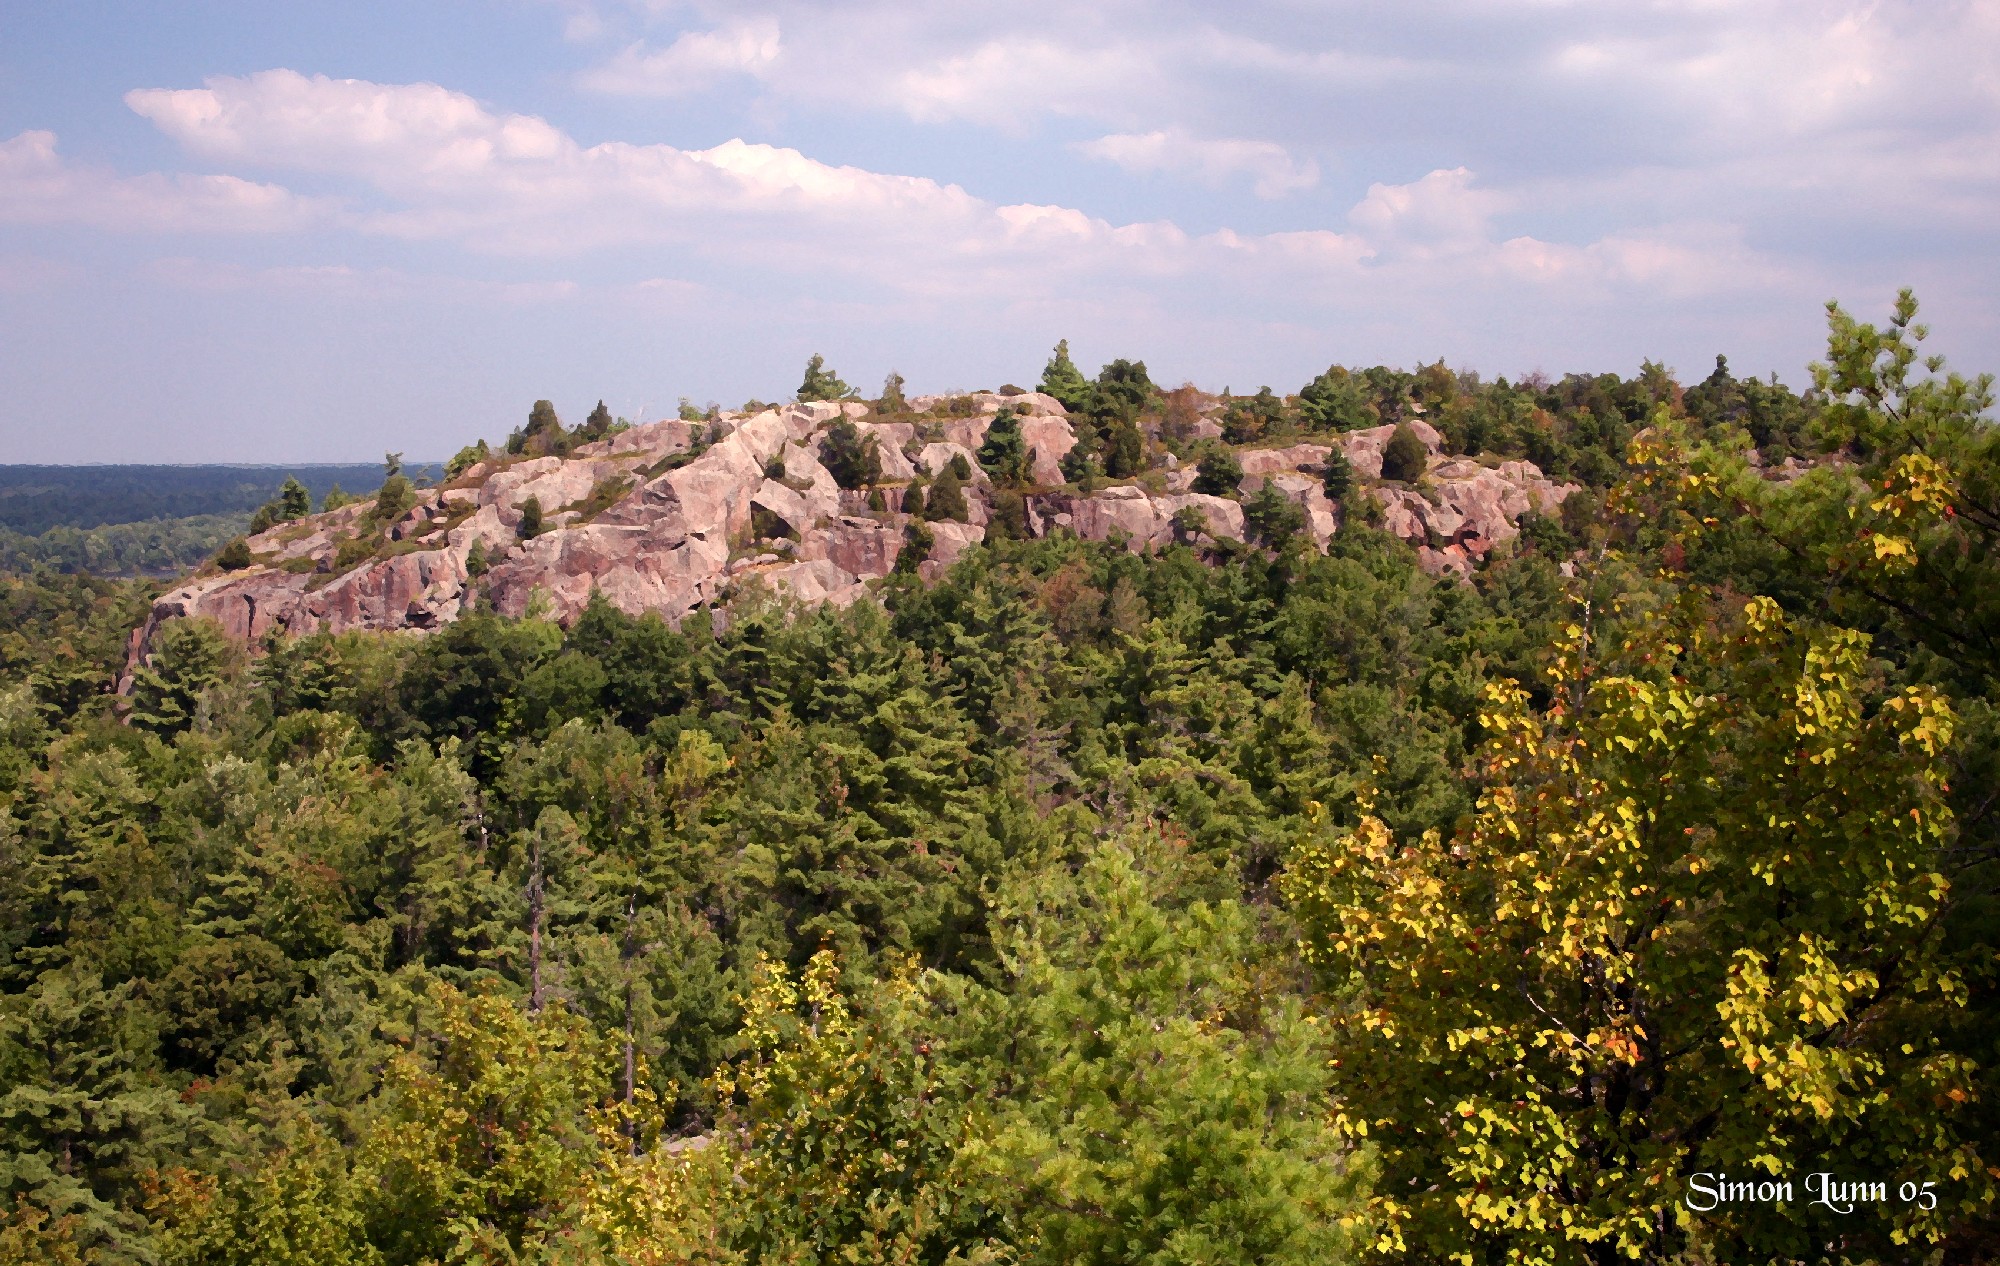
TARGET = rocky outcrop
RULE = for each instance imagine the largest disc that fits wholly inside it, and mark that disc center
(673, 516)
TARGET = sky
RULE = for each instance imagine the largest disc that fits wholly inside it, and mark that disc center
(320, 231)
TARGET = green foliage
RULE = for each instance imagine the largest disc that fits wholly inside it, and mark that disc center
(1189, 523)
(913, 498)
(1248, 420)
(1218, 473)
(1064, 381)
(964, 925)
(476, 561)
(946, 497)
(853, 459)
(544, 435)
(595, 427)
(530, 525)
(1335, 401)
(821, 383)
(1005, 453)
(293, 501)
(394, 499)
(1157, 1104)
(892, 400)
(234, 556)
(466, 458)
(1124, 450)
(1404, 457)
(1691, 929)
(1272, 518)
(188, 659)
(1338, 479)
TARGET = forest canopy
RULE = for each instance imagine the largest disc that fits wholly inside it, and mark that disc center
(1079, 906)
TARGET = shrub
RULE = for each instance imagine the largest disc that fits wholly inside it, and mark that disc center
(465, 459)
(1189, 522)
(853, 459)
(917, 542)
(234, 556)
(1404, 458)
(1272, 518)
(1010, 516)
(913, 499)
(1124, 450)
(1218, 473)
(531, 518)
(395, 499)
(892, 395)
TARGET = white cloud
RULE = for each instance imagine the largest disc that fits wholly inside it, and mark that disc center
(437, 165)
(39, 186)
(1442, 211)
(1270, 167)
(691, 63)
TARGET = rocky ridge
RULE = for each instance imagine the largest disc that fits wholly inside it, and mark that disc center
(672, 516)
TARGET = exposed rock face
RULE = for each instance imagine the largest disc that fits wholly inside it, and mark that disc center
(652, 524)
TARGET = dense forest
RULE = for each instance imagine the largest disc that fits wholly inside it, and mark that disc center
(1248, 905)
(145, 520)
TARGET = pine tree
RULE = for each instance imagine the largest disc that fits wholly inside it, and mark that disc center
(1338, 479)
(294, 500)
(1063, 380)
(821, 383)
(946, 499)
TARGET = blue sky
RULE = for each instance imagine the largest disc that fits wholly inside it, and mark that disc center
(314, 231)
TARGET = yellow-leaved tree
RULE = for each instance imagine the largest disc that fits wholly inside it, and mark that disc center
(1691, 929)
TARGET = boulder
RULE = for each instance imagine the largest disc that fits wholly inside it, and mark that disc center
(1048, 439)
(1267, 461)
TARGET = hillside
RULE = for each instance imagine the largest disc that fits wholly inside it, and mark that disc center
(672, 516)
(1410, 819)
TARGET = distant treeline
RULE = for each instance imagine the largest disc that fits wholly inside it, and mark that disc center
(34, 499)
(143, 520)
(157, 547)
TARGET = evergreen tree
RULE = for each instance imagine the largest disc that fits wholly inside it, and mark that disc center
(1124, 450)
(1063, 380)
(853, 459)
(821, 383)
(1338, 479)
(1272, 518)
(1404, 457)
(1218, 473)
(1335, 401)
(294, 501)
(1005, 454)
(596, 426)
(946, 499)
